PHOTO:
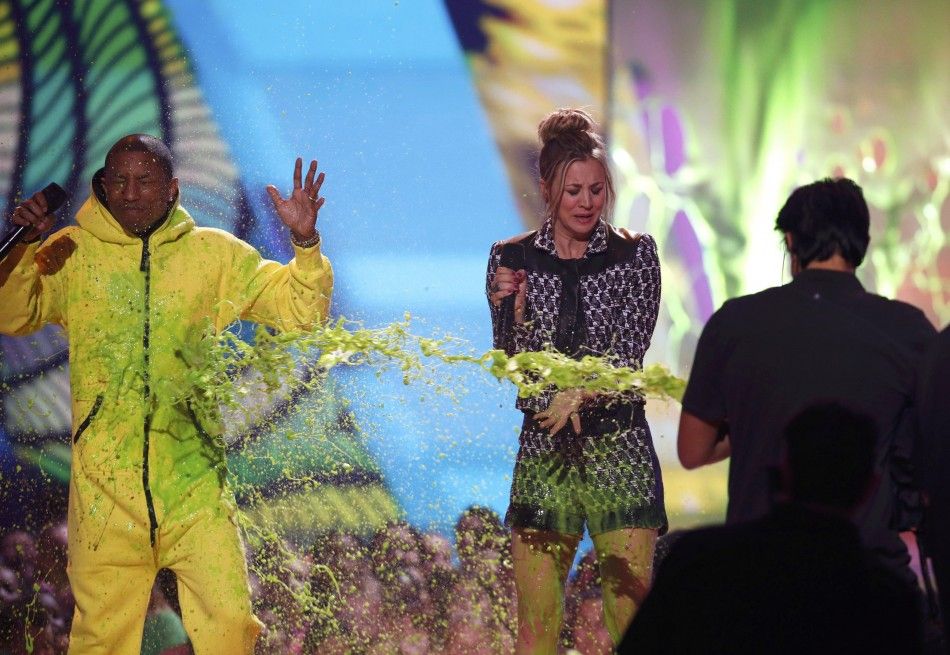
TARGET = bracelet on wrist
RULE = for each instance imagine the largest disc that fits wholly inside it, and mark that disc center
(306, 243)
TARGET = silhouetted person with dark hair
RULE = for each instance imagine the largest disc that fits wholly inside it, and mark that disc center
(763, 357)
(795, 581)
(933, 398)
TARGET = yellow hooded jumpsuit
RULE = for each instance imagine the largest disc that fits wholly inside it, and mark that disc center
(148, 487)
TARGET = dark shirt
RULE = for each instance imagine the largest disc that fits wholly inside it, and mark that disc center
(795, 581)
(933, 399)
(764, 357)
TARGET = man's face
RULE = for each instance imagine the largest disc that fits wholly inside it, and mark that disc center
(137, 190)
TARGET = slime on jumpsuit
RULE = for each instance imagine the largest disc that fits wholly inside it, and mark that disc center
(148, 487)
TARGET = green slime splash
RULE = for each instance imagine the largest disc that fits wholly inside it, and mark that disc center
(286, 362)
(227, 374)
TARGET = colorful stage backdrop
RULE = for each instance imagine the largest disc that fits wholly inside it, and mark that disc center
(423, 115)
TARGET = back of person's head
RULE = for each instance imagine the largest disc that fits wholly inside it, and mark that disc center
(566, 136)
(830, 456)
(394, 547)
(478, 528)
(825, 218)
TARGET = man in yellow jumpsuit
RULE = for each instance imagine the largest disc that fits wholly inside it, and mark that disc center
(134, 285)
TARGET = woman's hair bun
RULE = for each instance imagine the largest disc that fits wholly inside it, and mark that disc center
(564, 122)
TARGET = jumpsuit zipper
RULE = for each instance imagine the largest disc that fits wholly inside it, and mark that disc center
(145, 267)
(86, 421)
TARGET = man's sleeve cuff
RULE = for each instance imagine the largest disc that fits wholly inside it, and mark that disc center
(312, 242)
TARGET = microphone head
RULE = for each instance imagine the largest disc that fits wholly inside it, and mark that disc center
(55, 196)
(512, 256)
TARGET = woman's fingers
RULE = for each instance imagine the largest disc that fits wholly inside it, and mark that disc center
(503, 284)
(509, 280)
(499, 295)
(565, 406)
(520, 298)
(505, 275)
(551, 421)
(558, 425)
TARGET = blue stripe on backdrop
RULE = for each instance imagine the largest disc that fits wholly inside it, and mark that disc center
(416, 193)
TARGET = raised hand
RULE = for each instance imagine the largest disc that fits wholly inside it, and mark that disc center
(299, 210)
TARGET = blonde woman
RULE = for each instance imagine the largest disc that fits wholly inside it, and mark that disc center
(579, 286)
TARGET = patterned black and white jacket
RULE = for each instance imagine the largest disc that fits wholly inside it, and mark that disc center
(604, 303)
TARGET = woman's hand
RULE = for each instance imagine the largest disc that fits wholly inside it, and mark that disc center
(564, 406)
(299, 211)
(507, 282)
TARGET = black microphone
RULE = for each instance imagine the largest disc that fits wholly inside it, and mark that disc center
(512, 256)
(55, 197)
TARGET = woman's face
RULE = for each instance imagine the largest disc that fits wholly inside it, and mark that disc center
(582, 199)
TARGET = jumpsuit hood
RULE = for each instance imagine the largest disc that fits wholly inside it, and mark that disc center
(96, 218)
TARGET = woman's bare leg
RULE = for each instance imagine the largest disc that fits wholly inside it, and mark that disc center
(626, 571)
(541, 560)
